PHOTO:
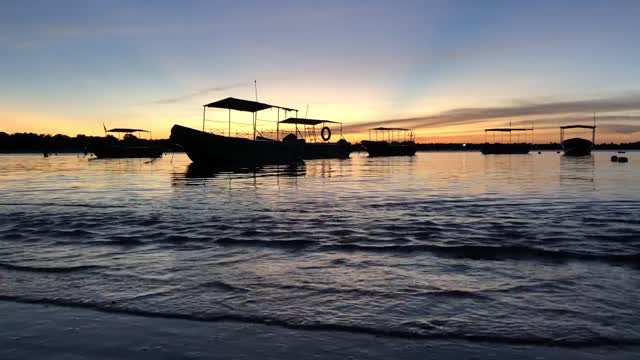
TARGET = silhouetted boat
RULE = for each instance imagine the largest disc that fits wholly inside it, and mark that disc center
(313, 147)
(207, 149)
(577, 146)
(498, 148)
(129, 147)
(394, 146)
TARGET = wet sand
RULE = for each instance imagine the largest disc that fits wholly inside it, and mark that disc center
(36, 331)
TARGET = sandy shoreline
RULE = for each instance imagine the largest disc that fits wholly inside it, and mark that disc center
(34, 331)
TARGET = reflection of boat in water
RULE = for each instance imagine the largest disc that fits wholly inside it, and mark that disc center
(313, 147)
(392, 147)
(129, 147)
(498, 148)
(577, 146)
(218, 150)
(196, 171)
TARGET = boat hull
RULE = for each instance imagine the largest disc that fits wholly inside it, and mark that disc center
(122, 151)
(384, 148)
(215, 151)
(577, 147)
(339, 150)
(500, 149)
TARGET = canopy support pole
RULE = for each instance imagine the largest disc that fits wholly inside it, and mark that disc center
(204, 110)
(229, 123)
(278, 126)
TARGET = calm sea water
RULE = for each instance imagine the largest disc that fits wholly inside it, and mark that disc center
(532, 248)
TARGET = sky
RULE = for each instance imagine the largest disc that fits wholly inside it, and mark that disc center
(447, 69)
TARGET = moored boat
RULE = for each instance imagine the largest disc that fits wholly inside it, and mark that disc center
(577, 146)
(318, 146)
(391, 143)
(208, 149)
(129, 146)
(501, 148)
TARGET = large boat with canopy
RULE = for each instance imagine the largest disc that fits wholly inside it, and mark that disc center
(129, 146)
(390, 142)
(214, 150)
(520, 146)
(577, 146)
(317, 145)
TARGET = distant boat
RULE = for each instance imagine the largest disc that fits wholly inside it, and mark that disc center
(577, 146)
(129, 146)
(317, 146)
(207, 149)
(499, 148)
(395, 146)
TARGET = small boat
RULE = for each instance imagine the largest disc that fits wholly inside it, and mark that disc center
(212, 150)
(318, 146)
(130, 146)
(577, 146)
(499, 148)
(394, 146)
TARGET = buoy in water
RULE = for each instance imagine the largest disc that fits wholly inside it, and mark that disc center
(623, 159)
(614, 158)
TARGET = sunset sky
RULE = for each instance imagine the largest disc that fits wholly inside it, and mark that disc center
(447, 69)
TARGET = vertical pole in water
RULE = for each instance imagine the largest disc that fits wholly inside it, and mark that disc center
(204, 110)
(593, 131)
(229, 123)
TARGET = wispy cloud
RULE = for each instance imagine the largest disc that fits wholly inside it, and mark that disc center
(175, 99)
(540, 111)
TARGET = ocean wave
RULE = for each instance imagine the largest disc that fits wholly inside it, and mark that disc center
(436, 329)
(482, 252)
(53, 270)
(294, 243)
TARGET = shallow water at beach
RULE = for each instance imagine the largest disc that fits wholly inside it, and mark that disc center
(531, 249)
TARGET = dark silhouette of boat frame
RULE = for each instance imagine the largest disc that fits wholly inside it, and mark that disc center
(392, 146)
(315, 149)
(128, 147)
(577, 146)
(498, 148)
(212, 150)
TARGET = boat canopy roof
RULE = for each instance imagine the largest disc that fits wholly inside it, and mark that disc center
(301, 121)
(243, 105)
(509, 129)
(578, 127)
(388, 128)
(124, 130)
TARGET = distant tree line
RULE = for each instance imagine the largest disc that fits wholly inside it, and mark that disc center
(30, 142)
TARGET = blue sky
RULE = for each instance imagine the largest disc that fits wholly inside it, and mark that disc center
(69, 66)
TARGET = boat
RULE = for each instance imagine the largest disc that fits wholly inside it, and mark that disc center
(392, 146)
(318, 146)
(577, 146)
(213, 150)
(500, 148)
(130, 146)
